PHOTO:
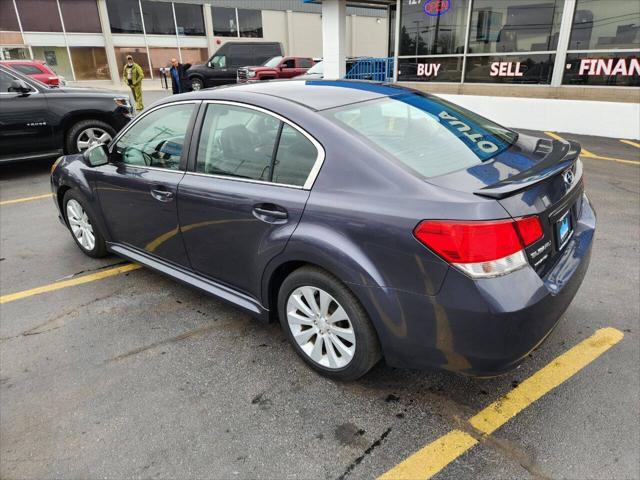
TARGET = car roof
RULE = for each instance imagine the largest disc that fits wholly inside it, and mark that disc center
(38, 62)
(314, 94)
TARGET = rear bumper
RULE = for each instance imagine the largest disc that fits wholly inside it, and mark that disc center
(481, 327)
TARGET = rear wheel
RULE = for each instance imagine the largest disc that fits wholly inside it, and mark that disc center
(87, 133)
(82, 225)
(326, 324)
(197, 84)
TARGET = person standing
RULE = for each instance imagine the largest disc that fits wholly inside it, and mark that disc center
(132, 75)
(179, 80)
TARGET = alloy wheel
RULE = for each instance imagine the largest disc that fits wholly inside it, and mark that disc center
(321, 327)
(90, 137)
(80, 225)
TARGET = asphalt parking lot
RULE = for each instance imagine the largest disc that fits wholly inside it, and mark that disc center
(131, 375)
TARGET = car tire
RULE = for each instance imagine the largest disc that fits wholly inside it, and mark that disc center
(196, 84)
(91, 132)
(325, 354)
(81, 222)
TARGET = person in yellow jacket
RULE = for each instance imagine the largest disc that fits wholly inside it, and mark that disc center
(132, 75)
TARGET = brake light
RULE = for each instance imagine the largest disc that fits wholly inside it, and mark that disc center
(481, 248)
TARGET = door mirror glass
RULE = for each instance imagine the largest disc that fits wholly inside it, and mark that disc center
(96, 155)
(19, 86)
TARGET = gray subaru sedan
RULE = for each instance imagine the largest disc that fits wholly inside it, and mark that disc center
(371, 220)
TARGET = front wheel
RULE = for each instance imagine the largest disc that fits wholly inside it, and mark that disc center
(197, 84)
(87, 133)
(327, 325)
(82, 225)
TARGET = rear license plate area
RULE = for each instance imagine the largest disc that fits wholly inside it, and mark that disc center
(564, 229)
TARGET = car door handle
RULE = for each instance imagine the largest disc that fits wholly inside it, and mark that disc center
(269, 211)
(161, 195)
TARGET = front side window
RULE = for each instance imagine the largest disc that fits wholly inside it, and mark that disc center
(5, 82)
(515, 26)
(156, 140)
(244, 143)
(289, 63)
(427, 135)
(219, 61)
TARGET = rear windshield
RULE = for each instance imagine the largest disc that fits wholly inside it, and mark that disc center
(428, 135)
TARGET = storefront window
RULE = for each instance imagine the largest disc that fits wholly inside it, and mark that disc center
(80, 16)
(617, 69)
(194, 56)
(124, 16)
(57, 58)
(161, 57)
(430, 69)
(224, 22)
(158, 18)
(605, 25)
(433, 27)
(139, 55)
(519, 69)
(8, 18)
(15, 53)
(90, 63)
(189, 19)
(39, 16)
(250, 23)
(515, 25)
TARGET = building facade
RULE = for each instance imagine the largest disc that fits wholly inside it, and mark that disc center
(585, 49)
(90, 39)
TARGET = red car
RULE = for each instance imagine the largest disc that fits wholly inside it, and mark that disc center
(275, 67)
(37, 69)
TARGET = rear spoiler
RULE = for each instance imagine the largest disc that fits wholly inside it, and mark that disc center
(561, 157)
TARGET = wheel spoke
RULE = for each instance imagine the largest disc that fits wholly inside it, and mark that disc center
(296, 319)
(104, 138)
(338, 315)
(316, 352)
(308, 294)
(346, 333)
(325, 301)
(341, 347)
(334, 361)
(303, 336)
(297, 298)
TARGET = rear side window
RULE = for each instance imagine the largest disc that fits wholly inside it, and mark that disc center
(246, 143)
(295, 157)
(429, 136)
(27, 69)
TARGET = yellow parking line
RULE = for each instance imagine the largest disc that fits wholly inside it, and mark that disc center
(629, 142)
(588, 154)
(25, 199)
(69, 283)
(431, 459)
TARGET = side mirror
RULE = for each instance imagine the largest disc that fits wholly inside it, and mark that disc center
(96, 155)
(209, 64)
(19, 86)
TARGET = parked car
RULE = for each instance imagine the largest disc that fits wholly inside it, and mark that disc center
(275, 67)
(39, 121)
(37, 69)
(221, 69)
(371, 220)
(317, 71)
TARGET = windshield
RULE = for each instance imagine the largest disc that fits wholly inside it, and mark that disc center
(273, 61)
(428, 135)
(317, 68)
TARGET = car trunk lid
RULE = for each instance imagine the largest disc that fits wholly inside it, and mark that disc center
(534, 176)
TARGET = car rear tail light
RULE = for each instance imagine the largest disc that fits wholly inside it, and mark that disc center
(481, 248)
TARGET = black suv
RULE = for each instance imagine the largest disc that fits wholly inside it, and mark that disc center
(222, 67)
(37, 121)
